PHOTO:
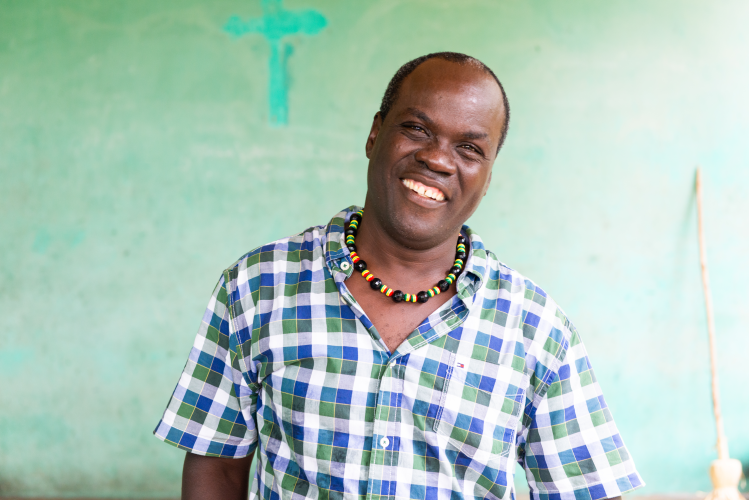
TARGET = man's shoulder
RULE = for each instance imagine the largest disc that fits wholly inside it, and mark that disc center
(282, 255)
(512, 288)
(543, 331)
(538, 310)
(286, 255)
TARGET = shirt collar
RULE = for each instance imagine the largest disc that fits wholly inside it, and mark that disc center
(338, 260)
(471, 280)
(337, 256)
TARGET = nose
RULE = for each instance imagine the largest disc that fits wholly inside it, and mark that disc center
(436, 157)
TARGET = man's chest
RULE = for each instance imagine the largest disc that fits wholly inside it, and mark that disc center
(445, 403)
(393, 321)
(450, 380)
(329, 391)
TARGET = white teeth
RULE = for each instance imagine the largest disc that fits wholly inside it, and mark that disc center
(423, 191)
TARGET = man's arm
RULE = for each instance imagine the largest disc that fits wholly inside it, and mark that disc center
(208, 478)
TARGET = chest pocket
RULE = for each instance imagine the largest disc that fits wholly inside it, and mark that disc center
(479, 408)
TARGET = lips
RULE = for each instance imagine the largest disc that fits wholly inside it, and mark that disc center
(423, 190)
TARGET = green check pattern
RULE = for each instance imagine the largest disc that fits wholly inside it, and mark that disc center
(286, 363)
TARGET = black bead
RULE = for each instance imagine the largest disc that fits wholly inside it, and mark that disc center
(351, 248)
(460, 255)
(360, 265)
(351, 232)
(454, 270)
(422, 297)
(461, 240)
(444, 285)
(397, 296)
(356, 217)
(375, 283)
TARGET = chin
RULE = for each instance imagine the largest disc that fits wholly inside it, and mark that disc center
(417, 229)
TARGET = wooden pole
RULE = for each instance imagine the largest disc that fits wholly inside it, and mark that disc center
(722, 444)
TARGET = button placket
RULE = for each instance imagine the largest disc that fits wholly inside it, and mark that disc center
(386, 424)
(393, 424)
(379, 459)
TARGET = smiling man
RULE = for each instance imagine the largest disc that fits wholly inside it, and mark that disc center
(388, 354)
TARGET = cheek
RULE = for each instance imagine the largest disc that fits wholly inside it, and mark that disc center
(397, 146)
(473, 185)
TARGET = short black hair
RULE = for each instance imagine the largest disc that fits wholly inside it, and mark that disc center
(391, 93)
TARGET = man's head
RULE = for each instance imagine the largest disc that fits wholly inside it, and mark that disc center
(442, 121)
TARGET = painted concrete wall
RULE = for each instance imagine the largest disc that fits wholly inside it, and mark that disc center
(139, 156)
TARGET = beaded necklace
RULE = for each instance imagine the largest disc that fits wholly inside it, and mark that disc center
(397, 295)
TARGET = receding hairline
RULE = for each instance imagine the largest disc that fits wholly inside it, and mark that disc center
(478, 81)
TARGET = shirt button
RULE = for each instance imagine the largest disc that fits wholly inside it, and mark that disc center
(345, 266)
(384, 442)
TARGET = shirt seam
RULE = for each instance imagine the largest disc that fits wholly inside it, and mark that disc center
(232, 318)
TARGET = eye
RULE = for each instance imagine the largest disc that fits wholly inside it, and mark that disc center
(470, 148)
(414, 128)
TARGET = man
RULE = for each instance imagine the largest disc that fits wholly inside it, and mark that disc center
(424, 372)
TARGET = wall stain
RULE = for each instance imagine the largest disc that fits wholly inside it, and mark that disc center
(72, 238)
(41, 241)
(275, 24)
(12, 359)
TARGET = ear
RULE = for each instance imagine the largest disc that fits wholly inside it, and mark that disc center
(488, 182)
(373, 132)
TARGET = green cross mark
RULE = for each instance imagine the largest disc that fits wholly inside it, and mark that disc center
(274, 25)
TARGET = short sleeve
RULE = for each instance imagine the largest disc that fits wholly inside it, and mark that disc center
(573, 449)
(212, 409)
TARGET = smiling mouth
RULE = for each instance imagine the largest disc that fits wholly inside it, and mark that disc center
(423, 190)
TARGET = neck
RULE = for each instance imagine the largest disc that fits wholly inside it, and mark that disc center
(404, 266)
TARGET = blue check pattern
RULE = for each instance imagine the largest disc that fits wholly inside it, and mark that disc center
(286, 363)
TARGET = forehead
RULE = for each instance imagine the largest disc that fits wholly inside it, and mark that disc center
(459, 93)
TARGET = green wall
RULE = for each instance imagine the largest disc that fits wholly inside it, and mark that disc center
(137, 161)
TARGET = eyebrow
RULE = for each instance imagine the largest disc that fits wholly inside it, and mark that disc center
(423, 117)
(420, 115)
(475, 135)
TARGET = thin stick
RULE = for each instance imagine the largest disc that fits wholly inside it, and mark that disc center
(722, 444)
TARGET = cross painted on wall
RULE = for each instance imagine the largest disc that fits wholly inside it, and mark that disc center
(275, 24)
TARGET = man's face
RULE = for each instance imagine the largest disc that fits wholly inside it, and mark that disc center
(430, 160)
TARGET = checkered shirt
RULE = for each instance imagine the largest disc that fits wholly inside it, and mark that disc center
(287, 363)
